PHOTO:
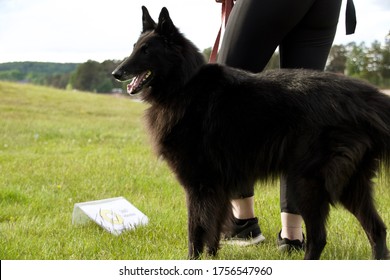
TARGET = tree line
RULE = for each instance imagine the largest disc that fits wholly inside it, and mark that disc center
(371, 63)
(90, 76)
(43, 73)
(95, 77)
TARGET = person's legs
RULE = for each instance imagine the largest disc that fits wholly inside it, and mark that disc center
(254, 30)
(290, 218)
(243, 208)
(306, 46)
(246, 230)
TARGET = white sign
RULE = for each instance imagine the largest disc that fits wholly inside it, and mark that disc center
(114, 214)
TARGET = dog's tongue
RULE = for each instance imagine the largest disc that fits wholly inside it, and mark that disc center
(134, 86)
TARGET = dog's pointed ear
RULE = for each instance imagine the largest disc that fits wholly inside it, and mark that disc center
(148, 23)
(165, 25)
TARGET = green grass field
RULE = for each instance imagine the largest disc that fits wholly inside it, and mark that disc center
(58, 148)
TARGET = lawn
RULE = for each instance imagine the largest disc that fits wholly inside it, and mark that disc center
(58, 148)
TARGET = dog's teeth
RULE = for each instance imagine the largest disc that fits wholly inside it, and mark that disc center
(146, 76)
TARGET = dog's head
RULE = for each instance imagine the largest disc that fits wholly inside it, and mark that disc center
(156, 56)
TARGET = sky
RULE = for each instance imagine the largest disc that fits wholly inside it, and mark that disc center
(79, 30)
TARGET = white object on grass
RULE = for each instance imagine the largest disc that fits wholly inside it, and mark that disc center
(114, 214)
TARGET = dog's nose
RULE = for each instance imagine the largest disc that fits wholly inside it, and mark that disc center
(117, 73)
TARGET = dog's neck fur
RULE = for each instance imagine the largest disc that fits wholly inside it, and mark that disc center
(168, 96)
(170, 89)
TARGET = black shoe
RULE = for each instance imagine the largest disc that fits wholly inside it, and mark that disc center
(287, 245)
(244, 233)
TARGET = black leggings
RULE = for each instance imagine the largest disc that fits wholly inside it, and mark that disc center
(304, 31)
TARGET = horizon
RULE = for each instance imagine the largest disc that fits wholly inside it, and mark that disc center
(367, 44)
(60, 31)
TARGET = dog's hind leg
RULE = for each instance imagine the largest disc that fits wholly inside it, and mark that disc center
(358, 199)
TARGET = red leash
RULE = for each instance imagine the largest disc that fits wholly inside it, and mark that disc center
(227, 6)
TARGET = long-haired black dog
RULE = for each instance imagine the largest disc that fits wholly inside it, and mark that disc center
(220, 129)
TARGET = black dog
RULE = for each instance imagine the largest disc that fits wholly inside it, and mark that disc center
(221, 128)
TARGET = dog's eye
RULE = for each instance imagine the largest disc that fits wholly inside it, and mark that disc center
(144, 48)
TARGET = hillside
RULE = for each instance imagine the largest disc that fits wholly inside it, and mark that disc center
(88, 76)
(38, 67)
(44, 73)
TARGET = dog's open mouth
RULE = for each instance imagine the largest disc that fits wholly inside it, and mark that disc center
(139, 82)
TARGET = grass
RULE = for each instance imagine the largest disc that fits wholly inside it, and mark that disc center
(58, 148)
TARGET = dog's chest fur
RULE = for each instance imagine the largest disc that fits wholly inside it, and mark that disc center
(160, 121)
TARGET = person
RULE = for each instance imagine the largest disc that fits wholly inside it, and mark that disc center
(304, 31)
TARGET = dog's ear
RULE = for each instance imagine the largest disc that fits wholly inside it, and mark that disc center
(148, 23)
(165, 25)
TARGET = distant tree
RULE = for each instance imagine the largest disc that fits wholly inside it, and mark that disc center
(274, 62)
(58, 80)
(385, 65)
(374, 58)
(43, 73)
(109, 66)
(356, 59)
(207, 53)
(337, 59)
(96, 77)
(88, 76)
(11, 75)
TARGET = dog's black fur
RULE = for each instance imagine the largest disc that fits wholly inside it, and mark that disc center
(221, 128)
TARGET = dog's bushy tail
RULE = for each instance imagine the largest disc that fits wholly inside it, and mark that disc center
(381, 118)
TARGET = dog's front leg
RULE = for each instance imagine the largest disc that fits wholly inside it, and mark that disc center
(195, 239)
(196, 233)
(208, 210)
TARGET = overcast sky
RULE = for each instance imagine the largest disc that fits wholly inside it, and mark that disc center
(78, 30)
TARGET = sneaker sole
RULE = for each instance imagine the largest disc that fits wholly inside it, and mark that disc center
(287, 248)
(244, 242)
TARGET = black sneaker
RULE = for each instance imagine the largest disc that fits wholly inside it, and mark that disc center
(244, 233)
(287, 245)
